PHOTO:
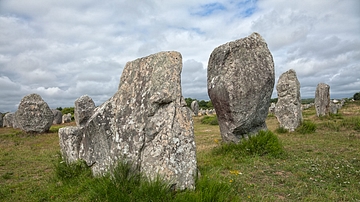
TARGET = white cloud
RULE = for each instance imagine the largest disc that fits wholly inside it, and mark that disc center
(65, 49)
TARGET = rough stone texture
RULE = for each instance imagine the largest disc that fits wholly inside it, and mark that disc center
(70, 139)
(8, 120)
(34, 115)
(66, 118)
(288, 107)
(240, 83)
(84, 108)
(272, 108)
(306, 106)
(195, 107)
(333, 109)
(322, 99)
(146, 123)
(1, 120)
(57, 116)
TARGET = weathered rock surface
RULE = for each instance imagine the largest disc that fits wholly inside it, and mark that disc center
(1, 120)
(84, 108)
(272, 108)
(57, 116)
(146, 123)
(288, 107)
(322, 99)
(70, 139)
(8, 120)
(33, 114)
(195, 107)
(66, 118)
(240, 83)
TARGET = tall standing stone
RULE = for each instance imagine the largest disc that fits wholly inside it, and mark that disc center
(146, 123)
(34, 115)
(240, 83)
(84, 108)
(288, 107)
(322, 99)
(195, 107)
(57, 116)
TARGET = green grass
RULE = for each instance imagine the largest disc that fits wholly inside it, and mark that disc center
(321, 165)
(281, 130)
(211, 120)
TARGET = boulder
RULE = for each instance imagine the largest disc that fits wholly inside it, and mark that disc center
(57, 116)
(195, 107)
(322, 99)
(240, 82)
(1, 120)
(146, 122)
(84, 108)
(34, 115)
(66, 118)
(288, 107)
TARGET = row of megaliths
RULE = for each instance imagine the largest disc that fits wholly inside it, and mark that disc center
(146, 122)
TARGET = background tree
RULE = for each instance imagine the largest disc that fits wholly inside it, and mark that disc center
(357, 96)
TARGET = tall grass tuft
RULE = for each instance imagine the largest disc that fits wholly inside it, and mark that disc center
(281, 130)
(264, 143)
(306, 127)
(128, 184)
(65, 172)
(207, 189)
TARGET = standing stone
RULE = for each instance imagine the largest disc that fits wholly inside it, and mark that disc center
(288, 108)
(1, 120)
(57, 116)
(70, 139)
(34, 115)
(195, 107)
(8, 120)
(146, 123)
(240, 83)
(322, 99)
(84, 108)
(66, 118)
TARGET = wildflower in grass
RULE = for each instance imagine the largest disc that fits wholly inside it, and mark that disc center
(216, 141)
(235, 172)
(231, 181)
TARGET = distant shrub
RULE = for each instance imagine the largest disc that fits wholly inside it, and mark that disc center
(306, 127)
(281, 130)
(264, 143)
(211, 120)
(356, 96)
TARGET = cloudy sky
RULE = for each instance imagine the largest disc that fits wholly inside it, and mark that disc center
(64, 49)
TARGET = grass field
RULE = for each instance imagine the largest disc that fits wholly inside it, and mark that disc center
(320, 165)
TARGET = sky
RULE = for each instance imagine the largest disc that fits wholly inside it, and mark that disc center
(62, 50)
